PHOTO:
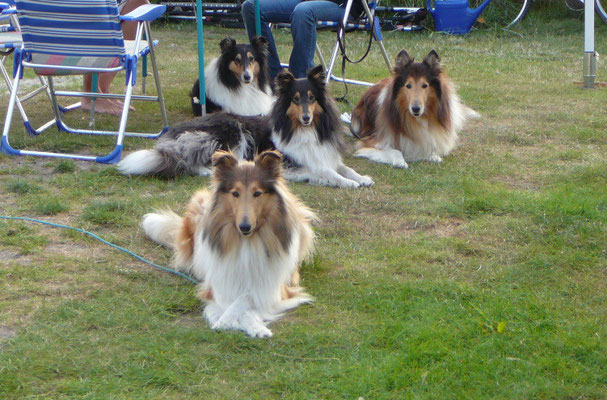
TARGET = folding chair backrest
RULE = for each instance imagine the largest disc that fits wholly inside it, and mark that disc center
(71, 33)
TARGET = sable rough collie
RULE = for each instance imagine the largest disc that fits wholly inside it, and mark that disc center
(304, 125)
(238, 81)
(413, 115)
(244, 239)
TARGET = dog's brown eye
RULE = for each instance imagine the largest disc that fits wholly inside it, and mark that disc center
(251, 59)
(257, 193)
(235, 193)
(408, 86)
(424, 85)
(296, 100)
(312, 98)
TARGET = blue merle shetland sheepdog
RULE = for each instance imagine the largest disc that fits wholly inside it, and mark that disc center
(304, 125)
(413, 115)
(238, 80)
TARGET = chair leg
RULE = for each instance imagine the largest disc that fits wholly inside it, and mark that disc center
(341, 33)
(377, 32)
(4, 145)
(54, 103)
(163, 111)
(9, 85)
(320, 57)
(94, 87)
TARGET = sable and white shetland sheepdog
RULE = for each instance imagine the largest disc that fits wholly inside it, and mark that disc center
(238, 81)
(244, 239)
(413, 115)
(304, 125)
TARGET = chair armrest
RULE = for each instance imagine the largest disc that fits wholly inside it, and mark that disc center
(147, 12)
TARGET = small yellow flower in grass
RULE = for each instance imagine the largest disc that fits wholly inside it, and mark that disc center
(501, 327)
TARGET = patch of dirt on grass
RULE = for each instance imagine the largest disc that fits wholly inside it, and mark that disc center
(518, 183)
(71, 249)
(394, 226)
(9, 255)
(191, 319)
(6, 333)
(449, 228)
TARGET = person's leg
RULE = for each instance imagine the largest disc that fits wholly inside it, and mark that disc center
(271, 11)
(112, 106)
(303, 30)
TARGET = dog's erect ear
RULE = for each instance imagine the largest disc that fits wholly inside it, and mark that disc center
(270, 161)
(432, 60)
(317, 74)
(284, 79)
(227, 44)
(403, 60)
(260, 44)
(224, 160)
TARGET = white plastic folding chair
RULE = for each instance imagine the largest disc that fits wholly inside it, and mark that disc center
(63, 37)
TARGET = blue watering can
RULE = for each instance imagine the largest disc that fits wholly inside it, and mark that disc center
(455, 16)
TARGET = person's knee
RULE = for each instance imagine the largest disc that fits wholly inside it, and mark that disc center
(248, 7)
(303, 12)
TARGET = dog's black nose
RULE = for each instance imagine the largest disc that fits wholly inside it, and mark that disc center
(246, 77)
(415, 110)
(306, 119)
(245, 228)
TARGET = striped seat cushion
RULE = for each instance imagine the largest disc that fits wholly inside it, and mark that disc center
(82, 33)
(90, 62)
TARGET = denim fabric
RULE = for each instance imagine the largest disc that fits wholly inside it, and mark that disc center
(302, 15)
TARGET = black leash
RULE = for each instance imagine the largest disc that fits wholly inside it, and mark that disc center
(344, 57)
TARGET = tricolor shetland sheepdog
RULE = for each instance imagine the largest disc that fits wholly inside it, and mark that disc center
(238, 81)
(306, 128)
(244, 239)
(304, 125)
(413, 115)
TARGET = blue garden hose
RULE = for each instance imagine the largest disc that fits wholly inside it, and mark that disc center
(172, 271)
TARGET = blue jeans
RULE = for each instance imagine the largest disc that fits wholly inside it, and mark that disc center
(302, 15)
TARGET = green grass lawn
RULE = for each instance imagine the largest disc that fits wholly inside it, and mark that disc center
(484, 276)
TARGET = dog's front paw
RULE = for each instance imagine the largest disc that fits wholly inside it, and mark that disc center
(365, 181)
(400, 164)
(258, 331)
(435, 158)
(348, 183)
(226, 323)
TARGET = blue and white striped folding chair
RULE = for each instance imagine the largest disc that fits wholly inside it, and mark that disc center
(76, 37)
(10, 39)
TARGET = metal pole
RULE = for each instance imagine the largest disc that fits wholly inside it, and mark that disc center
(201, 96)
(589, 54)
(257, 19)
(340, 34)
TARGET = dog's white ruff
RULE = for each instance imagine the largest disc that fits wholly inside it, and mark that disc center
(321, 162)
(248, 99)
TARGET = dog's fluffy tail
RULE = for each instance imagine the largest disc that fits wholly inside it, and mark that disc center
(161, 227)
(142, 162)
(470, 113)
